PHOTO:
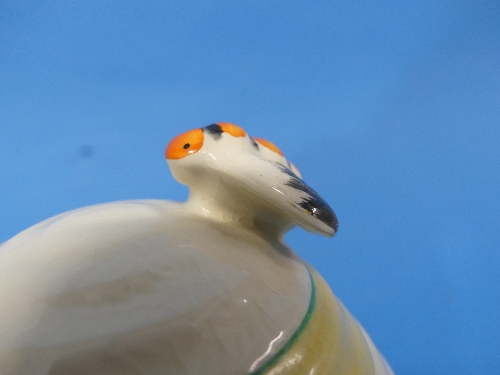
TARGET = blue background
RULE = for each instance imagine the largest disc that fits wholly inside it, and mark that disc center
(390, 109)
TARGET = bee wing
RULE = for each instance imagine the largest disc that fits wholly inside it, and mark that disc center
(288, 193)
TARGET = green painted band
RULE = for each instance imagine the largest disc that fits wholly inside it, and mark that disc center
(274, 359)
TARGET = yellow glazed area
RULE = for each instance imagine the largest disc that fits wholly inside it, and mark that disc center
(330, 342)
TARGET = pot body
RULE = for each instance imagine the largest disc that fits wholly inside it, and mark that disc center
(146, 287)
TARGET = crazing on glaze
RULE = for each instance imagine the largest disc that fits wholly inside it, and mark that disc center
(201, 287)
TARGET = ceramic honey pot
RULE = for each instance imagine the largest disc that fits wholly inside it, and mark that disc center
(202, 287)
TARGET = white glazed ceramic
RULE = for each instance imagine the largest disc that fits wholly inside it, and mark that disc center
(201, 287)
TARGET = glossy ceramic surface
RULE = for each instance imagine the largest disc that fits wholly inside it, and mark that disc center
(201, 287)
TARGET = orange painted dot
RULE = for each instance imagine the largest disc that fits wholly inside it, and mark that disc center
(232, 129)
(185, 144)
(269, 145)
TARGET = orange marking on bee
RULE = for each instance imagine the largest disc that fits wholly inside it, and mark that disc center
(232, 129)
(185, 144)
(269, 145)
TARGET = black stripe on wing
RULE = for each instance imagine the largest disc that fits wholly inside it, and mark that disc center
(313, 203)
(254, 144)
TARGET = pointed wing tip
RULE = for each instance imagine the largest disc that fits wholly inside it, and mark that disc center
(327, 223)
(317, 226)
(329, 231)
(335, 226)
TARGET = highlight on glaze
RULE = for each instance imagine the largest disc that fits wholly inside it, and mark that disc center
(224, 152)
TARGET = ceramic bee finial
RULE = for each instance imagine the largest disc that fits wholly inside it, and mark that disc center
(225, 168)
